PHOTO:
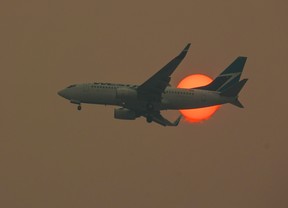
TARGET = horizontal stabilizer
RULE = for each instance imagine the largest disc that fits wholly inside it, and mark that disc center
(234, 90)
(237, 103)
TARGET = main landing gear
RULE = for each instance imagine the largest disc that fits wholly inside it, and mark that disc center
(149, 119)
(150, 109)
(79, 107)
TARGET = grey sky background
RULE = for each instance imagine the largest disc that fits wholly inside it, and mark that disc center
(51, 155)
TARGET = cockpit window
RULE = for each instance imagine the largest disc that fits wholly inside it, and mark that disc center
(71, 86)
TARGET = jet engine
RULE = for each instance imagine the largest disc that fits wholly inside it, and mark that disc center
(124, 114)
(126, 94)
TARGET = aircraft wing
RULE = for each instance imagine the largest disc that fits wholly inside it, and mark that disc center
(152, 89)
(158, 118)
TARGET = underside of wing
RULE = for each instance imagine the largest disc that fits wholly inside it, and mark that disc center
(152, 89)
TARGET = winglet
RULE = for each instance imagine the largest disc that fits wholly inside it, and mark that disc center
(158, 118)
(184, 51)
(177, 121)
(187, 47)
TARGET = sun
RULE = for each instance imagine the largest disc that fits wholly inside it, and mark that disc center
(199, 114)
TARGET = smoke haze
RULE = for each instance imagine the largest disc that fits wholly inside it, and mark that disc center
(51, 155)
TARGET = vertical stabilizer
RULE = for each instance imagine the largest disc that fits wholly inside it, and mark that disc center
(229, 77)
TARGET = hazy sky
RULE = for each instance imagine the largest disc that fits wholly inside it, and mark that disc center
(51, 155)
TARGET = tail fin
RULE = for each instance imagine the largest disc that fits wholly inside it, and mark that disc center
(229, 77)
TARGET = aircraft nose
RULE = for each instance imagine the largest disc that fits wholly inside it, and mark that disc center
(61, 93)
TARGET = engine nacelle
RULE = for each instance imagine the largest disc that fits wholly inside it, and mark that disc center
(126, 94)
(125, 114)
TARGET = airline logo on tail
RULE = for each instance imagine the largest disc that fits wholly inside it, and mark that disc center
(229, 77)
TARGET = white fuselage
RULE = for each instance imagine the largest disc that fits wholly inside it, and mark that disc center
(126, 96)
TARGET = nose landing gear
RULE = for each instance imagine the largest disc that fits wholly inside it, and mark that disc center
(77, 103)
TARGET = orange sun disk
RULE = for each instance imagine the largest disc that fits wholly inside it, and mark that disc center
(199, 114)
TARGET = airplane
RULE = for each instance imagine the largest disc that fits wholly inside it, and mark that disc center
(156, 94)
